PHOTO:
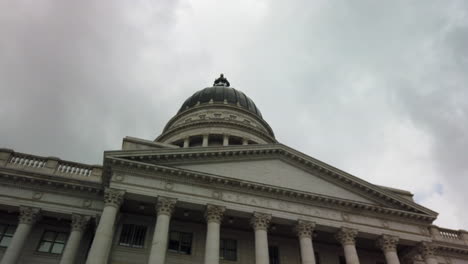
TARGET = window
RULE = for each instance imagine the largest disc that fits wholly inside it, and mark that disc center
(52, 242)
(6, 234)
(180, 242)
(132, 236)
(274, 254)
(228, 249)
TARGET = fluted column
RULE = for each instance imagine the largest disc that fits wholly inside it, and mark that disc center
(78, 225)
(27, 218)
(427, 251)
(260, 223)
(213, 215)
(347, 236)
(304, 232)
(388, 244)
(164, 208)
(99, 251)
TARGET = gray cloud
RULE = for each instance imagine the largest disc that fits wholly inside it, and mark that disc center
(374, 88)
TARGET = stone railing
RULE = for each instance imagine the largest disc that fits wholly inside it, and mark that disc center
(49, 165)
(449, 235)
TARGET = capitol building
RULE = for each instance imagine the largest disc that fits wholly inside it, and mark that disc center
(214, 187)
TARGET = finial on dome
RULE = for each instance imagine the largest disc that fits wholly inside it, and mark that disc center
(221, 81)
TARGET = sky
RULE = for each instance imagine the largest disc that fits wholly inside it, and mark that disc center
(375, 88)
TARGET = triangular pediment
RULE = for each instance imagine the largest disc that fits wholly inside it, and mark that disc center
(274, 166)
(277, 173)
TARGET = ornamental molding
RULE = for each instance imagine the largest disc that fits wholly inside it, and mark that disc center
(45, 181)
(203, 107)
(29, 215)
(165, 206)
(182, 175)
(79, 222)
(387, 243)
(304, 228)
(219, 123)
(160, 157)
(113, 197)
(449, 250)
(346, 236)
(214, 213)
(260, 221)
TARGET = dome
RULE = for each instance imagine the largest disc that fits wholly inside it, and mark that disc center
(221, 94)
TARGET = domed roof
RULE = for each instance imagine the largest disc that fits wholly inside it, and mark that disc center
(221, 94)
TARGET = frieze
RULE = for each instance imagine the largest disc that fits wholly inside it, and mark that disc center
(281, 205)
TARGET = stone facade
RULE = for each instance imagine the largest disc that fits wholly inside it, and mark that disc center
(255, 202)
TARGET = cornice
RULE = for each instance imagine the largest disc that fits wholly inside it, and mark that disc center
(34, 179)
(220, 123)
(330, 173)
(214, 105)
(260, 189)
(451, 249)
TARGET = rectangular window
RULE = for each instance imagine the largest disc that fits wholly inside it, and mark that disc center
(6, 234)
(273, 251)
(228, 249)
(52, 242)
(133, 236)
(180, 242)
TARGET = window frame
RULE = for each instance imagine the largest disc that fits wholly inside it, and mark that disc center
(180, 245)
(133, 237)
(223, 249)
(4, 231)
(53, 242)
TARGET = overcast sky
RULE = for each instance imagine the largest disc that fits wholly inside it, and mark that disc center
(376, 88)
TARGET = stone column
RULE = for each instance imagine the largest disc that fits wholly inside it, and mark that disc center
(27, 218)
(205, 141)
(186, 142)
(304, 232)
(388, 244)
(78, 225)
(225, 140)
(347, 236)
(102, 241)
(213, 215)
(245, 141)
(260, 223)
(164, 208)
(427, 251)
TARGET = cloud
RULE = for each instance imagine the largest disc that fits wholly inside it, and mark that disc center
(374, 88)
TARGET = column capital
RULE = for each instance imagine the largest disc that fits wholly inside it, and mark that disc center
(304, 228)
(113, 197)
(427, 250)
(165, 206)
(387, 243)
(260, 221)
(79, 222)
(29, 215)
(214, 213)
(346, 236)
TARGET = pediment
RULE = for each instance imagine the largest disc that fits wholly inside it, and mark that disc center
(275, 166)
(277, 173)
